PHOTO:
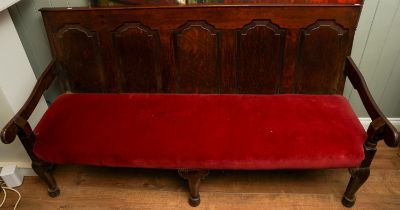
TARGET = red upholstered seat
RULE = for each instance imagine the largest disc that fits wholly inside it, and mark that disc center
(201, 131)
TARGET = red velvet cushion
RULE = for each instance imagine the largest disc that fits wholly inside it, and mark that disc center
(201, 131)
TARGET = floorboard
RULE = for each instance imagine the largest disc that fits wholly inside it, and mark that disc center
(86, 187)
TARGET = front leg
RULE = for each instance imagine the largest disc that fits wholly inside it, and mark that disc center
(44, 171)
(360, 175)
(194, 178)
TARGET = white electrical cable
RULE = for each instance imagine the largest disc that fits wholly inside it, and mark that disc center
(4, 188)
(5, 195)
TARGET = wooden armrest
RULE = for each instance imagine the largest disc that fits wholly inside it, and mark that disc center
(389, 133)
(20, 120)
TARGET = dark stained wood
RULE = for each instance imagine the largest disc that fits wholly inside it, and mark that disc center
(321, 56)
(79, 53)
(360, 175)
(20, 120)
(199, 49)
(193, 178)
(287, 84)
(106, 3)
(196, 53)
(137, 48)
(390, 135)
(44, 171)
(228, 61)
(20, 126)
(259, 43)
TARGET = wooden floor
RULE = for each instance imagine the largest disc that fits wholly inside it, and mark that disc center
(85, 187)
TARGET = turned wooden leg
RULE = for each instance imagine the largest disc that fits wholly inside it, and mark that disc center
(43, 170)
(358, 178)
(360, 175)
(194, 178)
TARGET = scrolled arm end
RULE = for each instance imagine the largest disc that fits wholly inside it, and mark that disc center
(390, 135)
(19, 121)
(9, 132)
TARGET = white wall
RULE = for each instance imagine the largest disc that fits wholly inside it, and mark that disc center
(16, 82)
(376, 50)
(13, 153)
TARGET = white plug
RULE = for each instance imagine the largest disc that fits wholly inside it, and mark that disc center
(12, 176)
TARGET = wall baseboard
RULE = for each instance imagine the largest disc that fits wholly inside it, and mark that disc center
(365, 121)
(18, 164)
(25, 171)
(24, 167)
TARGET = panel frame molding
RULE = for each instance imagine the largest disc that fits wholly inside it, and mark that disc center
(307, 31)
(150, 34)
(94, 35)
(277, 30)
(214, 32)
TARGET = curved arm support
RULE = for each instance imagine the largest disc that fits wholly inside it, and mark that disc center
(389, 133)
(20, 120)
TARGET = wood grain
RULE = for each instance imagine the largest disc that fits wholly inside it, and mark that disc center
(138, 65)
(206, 49)
(322, 41)
(106, 3)
(197, 57)
(78, 50)
(259, 43)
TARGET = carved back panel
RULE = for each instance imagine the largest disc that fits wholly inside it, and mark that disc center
(210, 49)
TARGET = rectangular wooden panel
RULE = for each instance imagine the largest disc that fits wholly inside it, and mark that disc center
(136, 47)
(196, 54)
(259, 57)
(321, 56)
(209, 49)
(77, 49)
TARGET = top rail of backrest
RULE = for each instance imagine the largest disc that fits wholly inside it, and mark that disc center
(111, 3)
(255, 48)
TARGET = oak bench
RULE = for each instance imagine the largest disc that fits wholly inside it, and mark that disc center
(203, 87)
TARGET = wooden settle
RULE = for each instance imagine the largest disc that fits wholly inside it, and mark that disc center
(223, 47)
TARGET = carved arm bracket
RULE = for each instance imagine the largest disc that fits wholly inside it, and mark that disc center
(388, 132)
(20, 121)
